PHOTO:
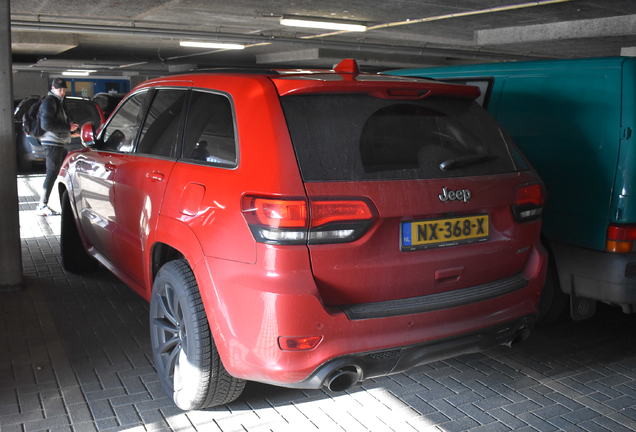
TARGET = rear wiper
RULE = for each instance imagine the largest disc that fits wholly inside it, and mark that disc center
(465, 161)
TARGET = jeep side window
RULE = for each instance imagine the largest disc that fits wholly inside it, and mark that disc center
(159, 134)
(209, 136)
(120, 133)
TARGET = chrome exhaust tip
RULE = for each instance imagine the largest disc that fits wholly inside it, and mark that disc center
(522, 334)
(343, 378)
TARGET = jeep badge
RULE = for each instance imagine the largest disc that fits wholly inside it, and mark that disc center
(458, 195)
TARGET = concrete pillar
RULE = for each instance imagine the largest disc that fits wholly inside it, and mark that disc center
(10, 254)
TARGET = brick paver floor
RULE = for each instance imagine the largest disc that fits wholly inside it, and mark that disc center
(75, 357)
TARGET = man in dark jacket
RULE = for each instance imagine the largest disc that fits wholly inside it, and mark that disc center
(57, 133)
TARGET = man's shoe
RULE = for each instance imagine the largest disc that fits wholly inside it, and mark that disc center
(45, 211)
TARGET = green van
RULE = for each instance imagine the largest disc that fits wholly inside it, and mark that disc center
(574, 120)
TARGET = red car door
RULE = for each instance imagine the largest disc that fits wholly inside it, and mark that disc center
(141, 182)
(94, 198)
(95, 176)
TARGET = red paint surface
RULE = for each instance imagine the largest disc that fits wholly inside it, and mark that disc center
(254, 293)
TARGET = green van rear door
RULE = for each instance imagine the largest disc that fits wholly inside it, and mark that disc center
(566, 120)
(623, 208)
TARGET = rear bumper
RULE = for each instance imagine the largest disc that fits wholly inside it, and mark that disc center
(400, 359)
(31, 150)
(603, 276)
(249, 308)
(431, 302)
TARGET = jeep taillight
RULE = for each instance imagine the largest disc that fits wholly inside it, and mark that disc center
(620, 238)
(276, 221)
(296, 221)
(528, 204)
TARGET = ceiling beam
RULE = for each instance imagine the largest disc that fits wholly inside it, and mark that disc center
(317, 56)
(42, 44)
(578, 29)
(470, 53)
(29, 67)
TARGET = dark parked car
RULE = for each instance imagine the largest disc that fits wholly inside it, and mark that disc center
(307, 229)
(29, 151)
(108, 101)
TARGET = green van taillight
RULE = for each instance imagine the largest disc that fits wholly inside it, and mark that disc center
(620, 238)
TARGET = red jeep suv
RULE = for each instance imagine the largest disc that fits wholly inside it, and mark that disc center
(307, 228)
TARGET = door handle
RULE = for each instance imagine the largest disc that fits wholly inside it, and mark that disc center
(155, 176)
(110, 166)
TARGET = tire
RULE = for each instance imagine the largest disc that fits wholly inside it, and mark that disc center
(553, 301)
(75, 259)
(184, 354)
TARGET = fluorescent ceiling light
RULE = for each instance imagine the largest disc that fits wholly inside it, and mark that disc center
(197, 44)
(326, 25)
(76, 73)
(81, 70)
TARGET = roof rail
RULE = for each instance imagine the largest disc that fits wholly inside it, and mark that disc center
(233, 70)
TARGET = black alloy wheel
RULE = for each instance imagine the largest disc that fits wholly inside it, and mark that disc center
(169, 333)
(185, 357)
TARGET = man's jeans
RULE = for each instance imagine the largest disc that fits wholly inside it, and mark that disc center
(54, 157)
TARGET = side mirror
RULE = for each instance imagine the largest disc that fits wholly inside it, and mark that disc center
(87, 134)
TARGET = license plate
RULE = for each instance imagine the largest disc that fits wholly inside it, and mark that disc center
(444, 232)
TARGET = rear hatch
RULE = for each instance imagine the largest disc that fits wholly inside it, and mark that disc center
(438, 180)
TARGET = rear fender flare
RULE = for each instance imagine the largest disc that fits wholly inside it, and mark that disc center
(179, 236)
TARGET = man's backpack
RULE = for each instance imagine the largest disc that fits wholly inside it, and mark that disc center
(31, 120)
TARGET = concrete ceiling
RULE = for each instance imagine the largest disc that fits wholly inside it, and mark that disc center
(142, 36)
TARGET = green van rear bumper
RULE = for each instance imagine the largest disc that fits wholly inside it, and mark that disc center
(598, 275)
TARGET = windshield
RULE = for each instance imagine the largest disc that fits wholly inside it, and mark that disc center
(346, 137)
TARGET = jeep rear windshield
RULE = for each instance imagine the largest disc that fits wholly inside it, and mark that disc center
(348, 137)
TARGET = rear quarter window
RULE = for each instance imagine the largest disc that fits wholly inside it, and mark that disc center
(350, 137)
(209, 136)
